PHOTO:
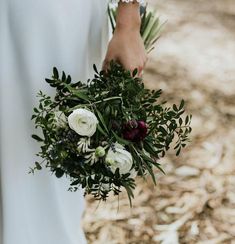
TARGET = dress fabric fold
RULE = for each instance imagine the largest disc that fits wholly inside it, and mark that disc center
(35, 36)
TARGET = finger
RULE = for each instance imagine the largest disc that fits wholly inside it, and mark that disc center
(140, 71)
(105, 65)
(126, 65)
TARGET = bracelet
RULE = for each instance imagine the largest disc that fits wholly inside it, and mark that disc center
(142, 2)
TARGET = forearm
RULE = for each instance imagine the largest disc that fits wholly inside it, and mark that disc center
(128, 16)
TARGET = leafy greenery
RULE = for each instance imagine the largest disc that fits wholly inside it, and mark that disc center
(120, 102)
(116, 97)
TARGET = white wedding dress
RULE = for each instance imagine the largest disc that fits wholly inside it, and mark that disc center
(36, 35)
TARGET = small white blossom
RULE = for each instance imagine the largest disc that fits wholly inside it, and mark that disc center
(91, 157)
(83, 145)
(60, 119)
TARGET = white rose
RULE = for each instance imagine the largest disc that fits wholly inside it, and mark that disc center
(119, 157)
(60, 119)
(83, 122)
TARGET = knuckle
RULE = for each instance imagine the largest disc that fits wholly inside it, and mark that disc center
(132, 67)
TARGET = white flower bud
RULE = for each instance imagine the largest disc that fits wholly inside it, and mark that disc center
(100, 152)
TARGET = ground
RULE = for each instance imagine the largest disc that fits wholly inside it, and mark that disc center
(195, 201)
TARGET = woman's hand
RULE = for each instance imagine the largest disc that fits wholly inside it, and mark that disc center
(126, 46)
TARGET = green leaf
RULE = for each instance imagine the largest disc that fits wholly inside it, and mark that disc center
(181, 105)
(37, 138)
(129, 193)
(69, 79)
(74, 183)
(146, 24)
(78, 93)
(121, 140)
(90, 182)
(145, 157)
(84, 183)
(181, 112)
(175, 108)
(33, 116)
(35, 110)
(160, 168)
(38, 166)
(59, 173)
(49, 81)
(163, 130)
(117, 173)
(178, 151)
(95, 69)
(102, 120)
(150, 172)
(149, 148)
(111, 18)
(55, 73)
(101, 130)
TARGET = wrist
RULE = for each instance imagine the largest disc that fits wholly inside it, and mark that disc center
(124, 26)
(128, 17)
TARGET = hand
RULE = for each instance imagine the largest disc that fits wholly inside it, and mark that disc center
(127, 48)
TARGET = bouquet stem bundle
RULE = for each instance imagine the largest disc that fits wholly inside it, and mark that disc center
(151, 25)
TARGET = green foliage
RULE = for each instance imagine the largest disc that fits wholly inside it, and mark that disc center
(115, 97)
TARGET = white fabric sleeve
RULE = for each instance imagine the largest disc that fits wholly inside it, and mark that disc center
(142, 2)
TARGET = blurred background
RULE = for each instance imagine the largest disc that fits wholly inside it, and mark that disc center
(195, 201)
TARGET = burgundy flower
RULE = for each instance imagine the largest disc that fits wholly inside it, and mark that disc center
(131, 124)
(135, 130)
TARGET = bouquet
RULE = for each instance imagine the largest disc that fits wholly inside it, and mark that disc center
(104, 133)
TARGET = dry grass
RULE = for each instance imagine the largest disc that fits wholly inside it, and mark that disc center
(195, 201)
